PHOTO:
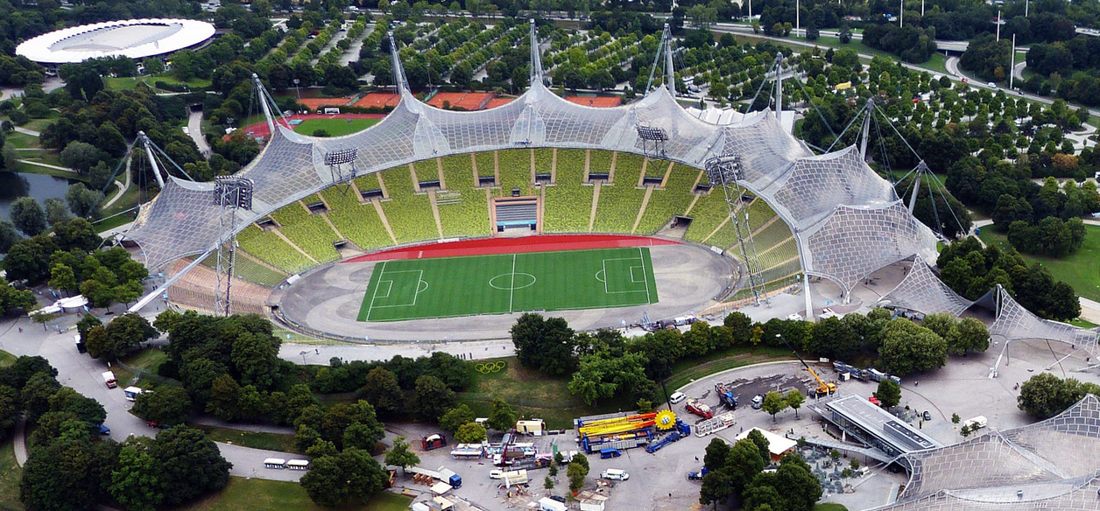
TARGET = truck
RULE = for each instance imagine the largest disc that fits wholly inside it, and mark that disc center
(726, 395)
(549, 504)
(978, 422)
(132, 393)
(875, 375)
(699, 408)
(109, 379)
(530, 427)
(433, 441)
(697, 475)
(80, 348)
(513, 477)
(682, 431)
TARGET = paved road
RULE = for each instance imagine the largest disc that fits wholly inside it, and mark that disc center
(194, 129)
(82, 373)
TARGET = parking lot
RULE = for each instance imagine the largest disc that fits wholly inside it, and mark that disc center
(659, 481)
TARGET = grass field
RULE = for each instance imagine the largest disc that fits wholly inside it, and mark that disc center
(498, 284)
(260, 494)
(10, 474)
(334, 127)
(252, 439)
(1080, 269)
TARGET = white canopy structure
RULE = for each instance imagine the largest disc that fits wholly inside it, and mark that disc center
(848, 221)
(1047, 466)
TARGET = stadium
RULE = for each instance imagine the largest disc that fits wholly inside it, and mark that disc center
(136, 39)
(607, 216)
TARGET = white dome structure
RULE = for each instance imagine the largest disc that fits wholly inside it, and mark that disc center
(136, 39)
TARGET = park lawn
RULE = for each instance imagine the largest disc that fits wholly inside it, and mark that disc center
(687, 371)
(6, 359)
(336, 127)
(10, 474)
(141, 369)
(21, 141)
(530, 392)
(242, 493)
(1080, 269)
(128, 83)
(251, 439)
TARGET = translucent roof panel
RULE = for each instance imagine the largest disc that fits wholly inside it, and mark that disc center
(921, 290)
(815, 185)
(1014, 322)
(181, 220)
(854, 242)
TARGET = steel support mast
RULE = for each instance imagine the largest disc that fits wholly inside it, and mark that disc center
(725, 171)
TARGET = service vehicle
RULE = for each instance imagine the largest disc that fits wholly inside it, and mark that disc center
(615, 474)
(676, 397)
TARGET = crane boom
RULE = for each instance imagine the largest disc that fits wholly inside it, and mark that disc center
(823, 387)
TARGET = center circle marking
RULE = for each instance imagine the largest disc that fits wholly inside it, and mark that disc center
(512, 281)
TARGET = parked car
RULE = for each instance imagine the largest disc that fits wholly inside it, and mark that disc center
(676, 397)
(757, 402)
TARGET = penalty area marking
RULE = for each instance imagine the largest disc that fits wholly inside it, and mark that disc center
(421, 286)
(640, 260)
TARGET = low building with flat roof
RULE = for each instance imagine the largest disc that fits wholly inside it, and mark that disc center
(876, 427)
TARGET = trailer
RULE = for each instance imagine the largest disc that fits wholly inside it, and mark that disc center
(275, 463)
(530, 427)
(298, 464)
(468, 451)
(433, 441)
(682, 430)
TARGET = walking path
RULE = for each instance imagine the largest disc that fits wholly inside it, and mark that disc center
(47, 165)
(19, 439)
(194, 130)
(26, 131)
(121, 185)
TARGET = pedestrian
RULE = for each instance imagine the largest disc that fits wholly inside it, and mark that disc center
(696, 458)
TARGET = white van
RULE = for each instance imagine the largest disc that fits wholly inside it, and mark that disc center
(615, 474)
(676, 397)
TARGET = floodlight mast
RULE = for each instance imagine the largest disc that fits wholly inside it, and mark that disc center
(725, 171)
(335, 160)
(230, 194)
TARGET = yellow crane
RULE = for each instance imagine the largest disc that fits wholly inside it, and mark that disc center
(823, 387)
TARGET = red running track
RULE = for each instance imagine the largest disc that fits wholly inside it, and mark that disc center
(491, 246)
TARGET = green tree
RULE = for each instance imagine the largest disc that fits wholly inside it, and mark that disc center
(8, 235)
(63, 278)
(454, 418)
(794, 400)
(470, 433)
(743, 464)
(167, 405)
(82, 201)
(28, 216)
(325, 482)
(502, 417)
(432, 398)
(400, 455)
(179, 451)
(888, 393)
(761, 444)
(544, 344)
(576, 474)
(255, 356)
(12, 300)
(774, 403)
(968, 335)
(383, 391)
(909, 348)
(1044, 395)
(717, 488)
(223, 400)
(57, 211)
(135, 482)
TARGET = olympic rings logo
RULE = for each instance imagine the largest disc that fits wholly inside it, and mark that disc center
(490, 367)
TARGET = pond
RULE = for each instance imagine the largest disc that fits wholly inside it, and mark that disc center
(41, 187)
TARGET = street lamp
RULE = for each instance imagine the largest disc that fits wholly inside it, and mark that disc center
(296, 90)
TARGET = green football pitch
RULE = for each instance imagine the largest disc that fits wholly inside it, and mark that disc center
(498, 284)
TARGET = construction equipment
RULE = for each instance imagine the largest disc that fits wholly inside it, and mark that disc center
(823, 388)
(726, 395)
